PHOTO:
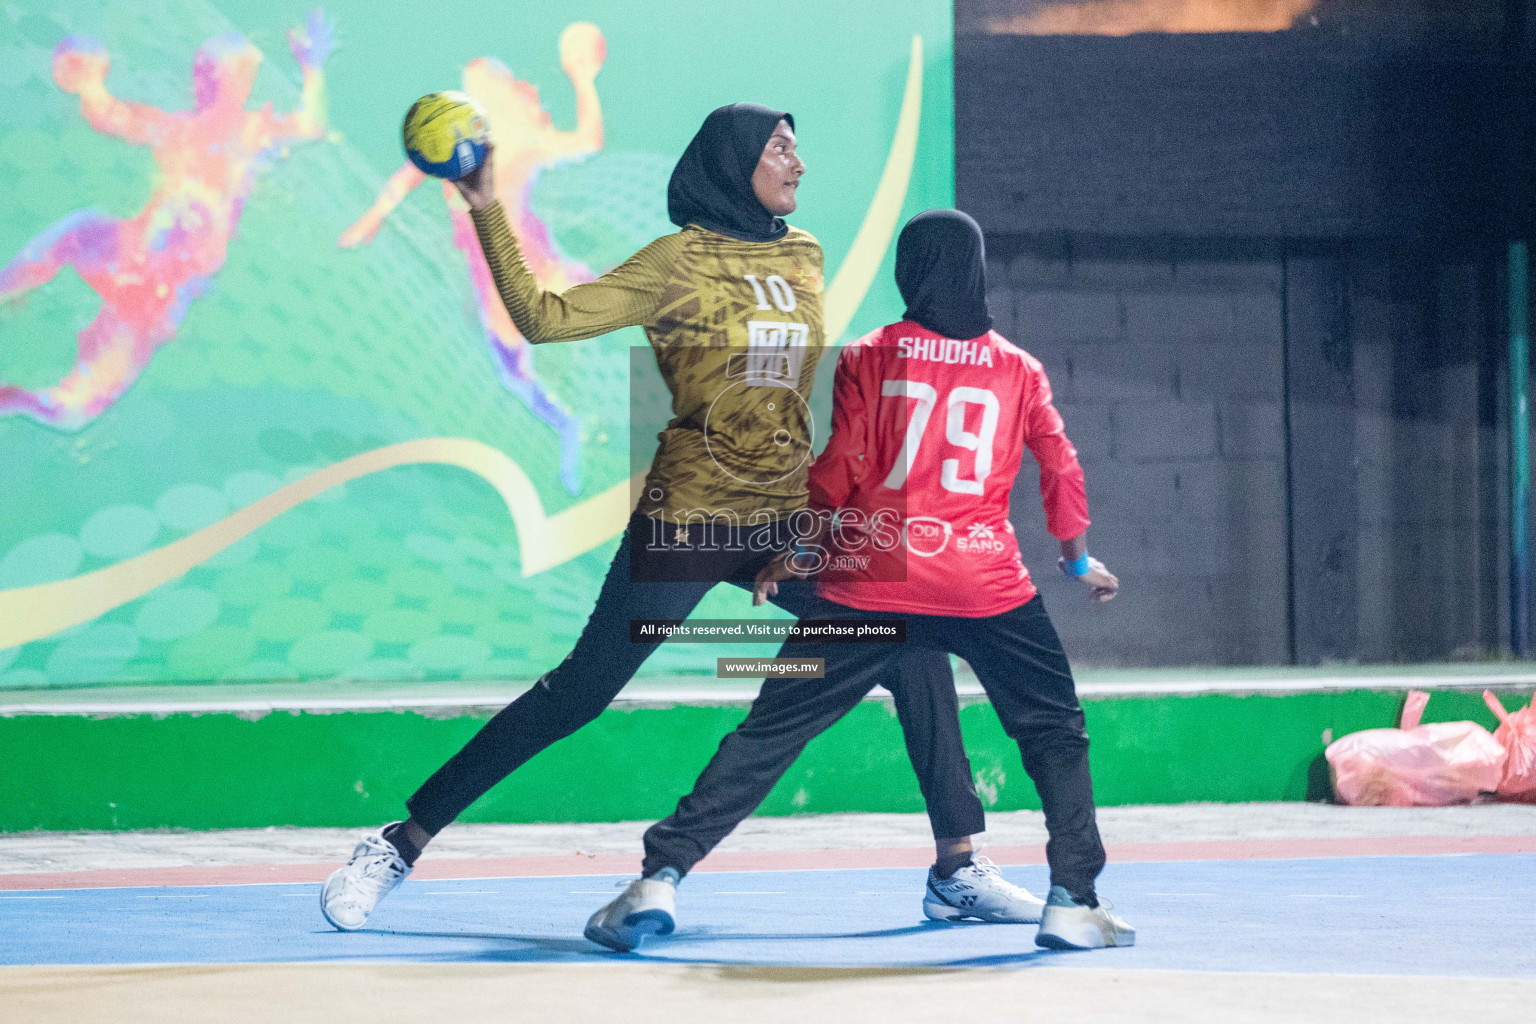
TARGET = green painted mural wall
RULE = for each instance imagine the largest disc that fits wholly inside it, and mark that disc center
(301, 340)
(224, 771)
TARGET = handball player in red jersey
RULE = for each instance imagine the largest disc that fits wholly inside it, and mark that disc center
(930, 421)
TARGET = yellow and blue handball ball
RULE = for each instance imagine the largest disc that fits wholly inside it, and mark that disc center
(446, 134)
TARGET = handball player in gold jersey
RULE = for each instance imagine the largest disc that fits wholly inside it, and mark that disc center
(732, 307)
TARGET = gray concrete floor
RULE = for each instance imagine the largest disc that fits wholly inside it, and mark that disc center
(83, 851)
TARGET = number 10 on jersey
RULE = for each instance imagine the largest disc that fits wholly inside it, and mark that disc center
(783, 295)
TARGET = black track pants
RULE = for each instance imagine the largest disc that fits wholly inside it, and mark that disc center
(1020, 662)
(604, 660)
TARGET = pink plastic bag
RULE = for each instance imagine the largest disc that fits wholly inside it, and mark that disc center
(1416, 765)
(1517, 735)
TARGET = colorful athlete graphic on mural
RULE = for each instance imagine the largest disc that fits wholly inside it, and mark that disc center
(149, 269)
(350, 492)
(527, 142)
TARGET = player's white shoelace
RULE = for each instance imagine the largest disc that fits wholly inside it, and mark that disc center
(989, 867)
(986, 866)
(353, 891)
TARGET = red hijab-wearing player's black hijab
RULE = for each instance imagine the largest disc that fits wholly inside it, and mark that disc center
(941, 269)
(711, 185)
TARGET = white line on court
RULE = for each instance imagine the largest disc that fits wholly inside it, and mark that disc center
(1460, 899)
(629, 876)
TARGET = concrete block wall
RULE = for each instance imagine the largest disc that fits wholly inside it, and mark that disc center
(1172, 374)
(1169, 377)
(1432, 453)
(1238, 276)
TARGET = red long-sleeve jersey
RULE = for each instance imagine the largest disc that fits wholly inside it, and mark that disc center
(929, 432)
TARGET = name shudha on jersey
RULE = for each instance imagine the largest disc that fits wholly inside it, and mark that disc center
(946, 350)
(931, 432)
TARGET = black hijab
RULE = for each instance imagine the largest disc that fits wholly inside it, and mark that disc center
(941, 269)
(711, 185)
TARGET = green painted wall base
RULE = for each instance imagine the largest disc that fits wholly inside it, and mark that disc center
(203, 771)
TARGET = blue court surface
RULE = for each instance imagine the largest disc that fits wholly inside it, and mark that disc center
(1442, 915)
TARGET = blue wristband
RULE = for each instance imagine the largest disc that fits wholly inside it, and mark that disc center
(1079, 567)
(794, 557)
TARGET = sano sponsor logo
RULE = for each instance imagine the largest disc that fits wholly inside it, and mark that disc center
(980, 539)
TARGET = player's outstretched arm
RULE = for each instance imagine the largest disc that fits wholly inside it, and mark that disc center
(769, 577)
(1063, 490)
(627, 296)
(311, 44)
(80, 66)
(1102, 584)
(796, 564)
(400, 184)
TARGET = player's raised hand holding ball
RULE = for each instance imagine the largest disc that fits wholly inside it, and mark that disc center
(478, 187)
(447, 136)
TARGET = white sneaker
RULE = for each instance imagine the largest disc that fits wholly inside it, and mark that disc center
(1068, 924)
(647, 907)
(352, 891)
(979, 890)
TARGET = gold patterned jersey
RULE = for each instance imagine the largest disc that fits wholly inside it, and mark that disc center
(737, 331)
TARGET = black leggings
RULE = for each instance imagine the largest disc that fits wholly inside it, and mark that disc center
(578, 689)
(1020, 662)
